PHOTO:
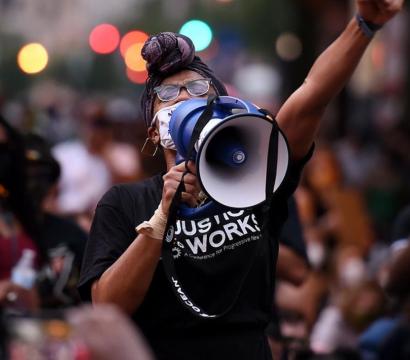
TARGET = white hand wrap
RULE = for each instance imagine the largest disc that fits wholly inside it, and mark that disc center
(155, 226)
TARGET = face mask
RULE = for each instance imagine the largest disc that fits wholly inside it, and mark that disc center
(164, 116)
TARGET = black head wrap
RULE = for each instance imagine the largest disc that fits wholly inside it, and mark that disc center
(168, 53)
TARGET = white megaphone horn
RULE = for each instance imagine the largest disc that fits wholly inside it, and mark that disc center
(231, 153)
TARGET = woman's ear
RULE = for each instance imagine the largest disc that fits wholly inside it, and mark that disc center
(151, 143)
(153, 134)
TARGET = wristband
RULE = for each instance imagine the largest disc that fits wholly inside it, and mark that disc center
(155, 226)
(368, 28)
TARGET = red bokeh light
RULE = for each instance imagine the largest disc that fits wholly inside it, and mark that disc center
(104, 38)
(378, 55)
(137, 77)
(133, 58)
(131, 38)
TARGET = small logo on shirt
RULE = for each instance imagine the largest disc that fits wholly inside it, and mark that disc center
(170, 234)
(212, 236)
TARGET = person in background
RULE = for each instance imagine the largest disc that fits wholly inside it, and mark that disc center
(124, 267)
(81, 332)
(293, 264)
(389, 336)
(338, 236)
(92, 163)
(293, 268)
(85, 175)
(62, 238)
(19, 226)
(348, 313)
(28, 180)
(105, 330)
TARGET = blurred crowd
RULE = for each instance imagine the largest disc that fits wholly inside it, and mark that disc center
(53, 171)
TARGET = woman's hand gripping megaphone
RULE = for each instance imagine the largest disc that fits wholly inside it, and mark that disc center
(172, 180)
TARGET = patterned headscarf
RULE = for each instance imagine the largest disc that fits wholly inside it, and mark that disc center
(168, 53)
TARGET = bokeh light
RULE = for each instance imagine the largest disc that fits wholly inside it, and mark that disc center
(258, 82)
(133, 58)
(131, 38)
(211, 51)
(378, 54)
(137, 77)
(104, 39)
(288, 46)
(32, 58)
(199, 32)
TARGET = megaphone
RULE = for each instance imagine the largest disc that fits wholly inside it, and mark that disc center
(231, 154)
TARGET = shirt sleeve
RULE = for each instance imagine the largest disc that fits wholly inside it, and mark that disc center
(294, 173)
(292, 232)
(279, 209)
(110, 235)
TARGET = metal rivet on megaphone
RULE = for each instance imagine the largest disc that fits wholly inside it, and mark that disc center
(231, 153)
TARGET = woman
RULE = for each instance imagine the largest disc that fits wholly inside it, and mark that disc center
(211, 253)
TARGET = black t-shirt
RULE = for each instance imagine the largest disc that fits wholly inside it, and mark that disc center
(292, 232)
(57, 231)
(211, 257)
(64, 242)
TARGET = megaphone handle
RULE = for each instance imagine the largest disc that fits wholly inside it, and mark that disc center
(179, 158)
(208, 209)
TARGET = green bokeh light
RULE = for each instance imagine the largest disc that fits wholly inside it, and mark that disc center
(199, 32)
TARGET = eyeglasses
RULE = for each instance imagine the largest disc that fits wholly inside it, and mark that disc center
(170, 92)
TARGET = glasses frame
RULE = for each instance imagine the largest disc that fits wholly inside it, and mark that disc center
(184, 85)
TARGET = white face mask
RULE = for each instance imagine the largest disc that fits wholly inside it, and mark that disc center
(164, 116)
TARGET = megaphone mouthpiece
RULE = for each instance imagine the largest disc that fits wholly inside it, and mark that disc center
(226, 148)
